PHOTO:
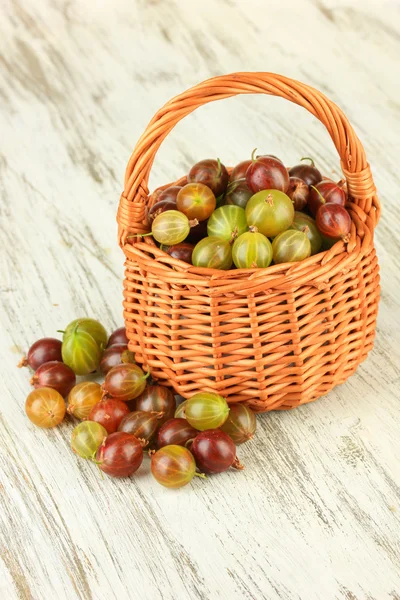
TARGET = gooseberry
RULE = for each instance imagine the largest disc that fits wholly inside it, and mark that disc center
(252, 250)
(241, 423)
(81, 352)
(175, 432)
(308, 173)
(182, 251)
(239, 171)
(115, 355)
(90, 326)
(142, 424)
(86, 438)
(55, 375)
(214, 253)
(211, 173)
(307, 225)
(45, 407)
(120, 454)
(197, 232)
(82, 398)
(180, 411)
(227, 223)
(109, 413)
(173, 466)
(206, 410)
(196, 201)
(171, 227)
(238, 194)
(323, 193)
(334, 221)
(214, 451)
(160, 207)
(271, 211)
(266, 173)
(125, 382)
(118, 337)
(158, 400)
(290, 246)
(43, 351)
(169, 194)
(298, 191)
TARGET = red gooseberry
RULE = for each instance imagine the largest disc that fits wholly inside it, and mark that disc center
(54, 375)
(323, 193)
(334, 221)
(214, 451)
(120, 454)
(109, 413)
(43, 351)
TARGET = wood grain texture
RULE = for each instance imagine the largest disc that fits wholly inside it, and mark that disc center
(315, 515)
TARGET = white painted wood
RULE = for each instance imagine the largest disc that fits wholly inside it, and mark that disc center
(315, 515)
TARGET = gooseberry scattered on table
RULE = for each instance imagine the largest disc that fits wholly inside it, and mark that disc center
(56, 375)
(114, 355)
(109, 413)
(45, 407)
(86, 438)
(125, 382)
(82, 398)
(157, 400)
(206, 410)
(241, 423)
(214, 451)
(42, 351)
(118, 337)
(142, 424)
(120, 454)
(173, 466)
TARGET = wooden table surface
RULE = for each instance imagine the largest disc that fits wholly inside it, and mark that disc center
(315, 515)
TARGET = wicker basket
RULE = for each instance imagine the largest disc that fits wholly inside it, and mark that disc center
(274, 338)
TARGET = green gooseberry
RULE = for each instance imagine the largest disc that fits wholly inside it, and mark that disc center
(87, 437)
(307, 225)
(291, 246)
(171, 227)
(271, 211)
(252, 250)
(91, 326)
(212, 252)
(227, 223)
(80, 351)
(206, 410)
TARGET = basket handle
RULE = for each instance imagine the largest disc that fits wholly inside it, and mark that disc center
(131, 215)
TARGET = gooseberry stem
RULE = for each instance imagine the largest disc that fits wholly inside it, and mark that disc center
(319, 194)
(310, 159)
(193, 222)
(252, 155)
(60, 331)
(201, 475)
(234, 184)
(219, 168)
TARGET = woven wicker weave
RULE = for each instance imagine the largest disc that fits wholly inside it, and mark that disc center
(274, 338)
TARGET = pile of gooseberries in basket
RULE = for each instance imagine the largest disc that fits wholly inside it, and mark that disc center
(128, 416)
(259, 214)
